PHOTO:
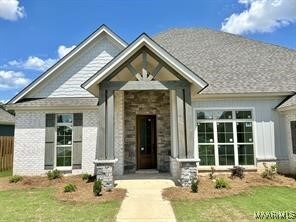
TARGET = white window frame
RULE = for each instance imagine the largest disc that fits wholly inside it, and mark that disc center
(63, 168)
(234, 120)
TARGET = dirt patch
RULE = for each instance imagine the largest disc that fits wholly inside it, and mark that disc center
(206, 188)
(84, 191)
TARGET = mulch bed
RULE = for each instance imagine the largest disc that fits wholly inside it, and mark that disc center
(206, 188)
(84, 192)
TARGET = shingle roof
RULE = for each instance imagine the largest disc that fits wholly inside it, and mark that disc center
(56, 102)
(289, 103)
(6, 117)
(230, 63)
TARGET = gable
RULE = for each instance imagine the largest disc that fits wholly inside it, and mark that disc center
(66, 82)
(141, 43)
(64, 77)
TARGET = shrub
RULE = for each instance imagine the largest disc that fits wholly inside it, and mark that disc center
(269, 172)
(54, 174)
(237, 171)
(15, 179)
(85, 176)
(211, 174)
(194, 185)
(221, 183)
(97, 187)
(88, 178)
(70, 188)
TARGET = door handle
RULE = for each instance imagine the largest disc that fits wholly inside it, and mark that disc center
(142, 148)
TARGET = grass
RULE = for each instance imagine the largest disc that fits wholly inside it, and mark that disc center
(40, 205)
(6, 173)
(238, 207)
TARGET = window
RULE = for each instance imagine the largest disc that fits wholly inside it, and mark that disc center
(225, 137)
(206, 143)
(293, 132)
(225, 143)
(64, 140)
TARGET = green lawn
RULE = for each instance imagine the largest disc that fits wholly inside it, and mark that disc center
(39, 205)
(6, 173)
(239, 207)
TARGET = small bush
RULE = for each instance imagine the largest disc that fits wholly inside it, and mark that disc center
(70, 188)
(85, 176)
(88, 178)
(221, 183)
(269, 172)
(237, 171)
(194, 185)
(97, 187)
(54, 174)
(15, 179)
(211, 174)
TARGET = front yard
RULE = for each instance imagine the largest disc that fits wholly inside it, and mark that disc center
(41, 199)
(41, 205)
(238, 202)
(239, 207)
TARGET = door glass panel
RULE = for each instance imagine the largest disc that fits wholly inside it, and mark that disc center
(145, 135)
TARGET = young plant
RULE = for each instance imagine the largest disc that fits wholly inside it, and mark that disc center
(97, 187)
(15, 179)
(211, 174)
(221, 183)
(54, 174)
(237, 171)
(85, 176)
(194, 185)
(88, 178)
(70, 188)
(269, 172)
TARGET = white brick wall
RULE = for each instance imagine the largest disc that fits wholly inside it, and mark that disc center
(89, 141)
(119, 132)
(67, 81)
(30, 142)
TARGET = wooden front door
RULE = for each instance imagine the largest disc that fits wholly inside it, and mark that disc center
(146, 141)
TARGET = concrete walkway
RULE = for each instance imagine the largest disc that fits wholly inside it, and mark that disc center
(144, 200)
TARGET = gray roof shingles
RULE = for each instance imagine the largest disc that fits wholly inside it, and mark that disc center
(289, 103)
(228, 63)
(231, 63)
(6, 117)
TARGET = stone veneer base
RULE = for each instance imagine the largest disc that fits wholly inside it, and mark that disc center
(184, 170)
(105, 171)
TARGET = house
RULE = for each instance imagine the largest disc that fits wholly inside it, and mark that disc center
(6, 123)
(182, 101)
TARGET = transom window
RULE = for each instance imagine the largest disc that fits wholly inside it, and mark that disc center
(64, 140)
(225, 137)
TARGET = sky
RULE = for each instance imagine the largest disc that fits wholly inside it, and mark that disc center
(34, 34)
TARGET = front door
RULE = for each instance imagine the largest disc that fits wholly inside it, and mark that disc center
(146, 141)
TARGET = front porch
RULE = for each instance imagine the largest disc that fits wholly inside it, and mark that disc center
(145, 114)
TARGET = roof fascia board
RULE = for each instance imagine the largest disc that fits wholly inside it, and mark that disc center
(66, 58)
(50, 108)
(243, 95)
(143, 40)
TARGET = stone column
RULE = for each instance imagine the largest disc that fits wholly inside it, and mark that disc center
(105, 171)
(184, 170)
